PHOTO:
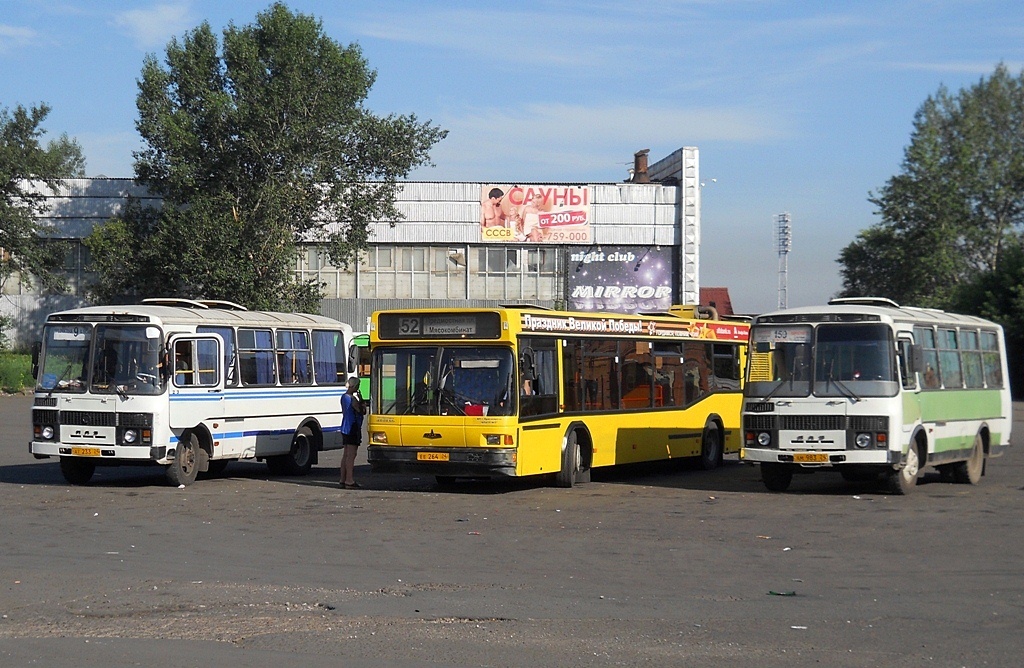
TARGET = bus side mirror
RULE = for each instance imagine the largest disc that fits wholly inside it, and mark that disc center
(353, 359)
(763, 347)
(36, 348)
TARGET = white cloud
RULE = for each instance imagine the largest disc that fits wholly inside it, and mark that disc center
(15, 36)
(153, 27)
(542, 141)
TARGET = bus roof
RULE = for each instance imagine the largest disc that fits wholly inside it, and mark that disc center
(886, 311)
(177, 315)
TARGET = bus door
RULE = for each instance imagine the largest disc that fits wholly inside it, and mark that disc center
(196, 379)
(910, 360)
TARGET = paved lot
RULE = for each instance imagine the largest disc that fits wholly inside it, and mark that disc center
(643, 567)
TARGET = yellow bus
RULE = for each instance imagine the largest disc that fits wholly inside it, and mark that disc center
(523, 391)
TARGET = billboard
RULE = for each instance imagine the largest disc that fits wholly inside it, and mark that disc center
(535, 214)
(624, 279)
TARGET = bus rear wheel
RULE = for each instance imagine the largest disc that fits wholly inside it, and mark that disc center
(969, 472)
(76, 470)
(185, 467)
(299, 459)
(776, 477)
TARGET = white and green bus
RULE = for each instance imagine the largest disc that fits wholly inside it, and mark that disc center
(874, 390)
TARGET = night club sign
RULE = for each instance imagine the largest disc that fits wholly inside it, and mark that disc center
(623, 279)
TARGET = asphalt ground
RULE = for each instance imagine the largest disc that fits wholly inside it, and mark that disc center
(659, 565)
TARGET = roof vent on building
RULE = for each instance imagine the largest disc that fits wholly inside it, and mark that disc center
(640, 174)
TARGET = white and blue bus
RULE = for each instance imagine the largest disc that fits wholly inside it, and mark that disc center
(190, 386)
(874, 390)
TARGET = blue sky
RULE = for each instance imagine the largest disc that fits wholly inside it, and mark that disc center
(798, 107)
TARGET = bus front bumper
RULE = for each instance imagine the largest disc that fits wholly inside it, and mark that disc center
(821, 458)
(138, 454)
(455, 462)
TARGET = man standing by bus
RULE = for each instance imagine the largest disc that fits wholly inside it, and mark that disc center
(352, 410)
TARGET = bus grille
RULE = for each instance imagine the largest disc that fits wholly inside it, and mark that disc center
(760, 407)
(45, 417)
(759, 422)
(45, 401)
(869, 423)
(135, 419)
(812, 422)
(88, 418)
(816, 422)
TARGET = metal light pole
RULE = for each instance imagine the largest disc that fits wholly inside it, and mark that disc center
(783, 242)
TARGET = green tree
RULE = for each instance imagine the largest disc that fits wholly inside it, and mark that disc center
(957, 203)
(29, 172)
(256, 144)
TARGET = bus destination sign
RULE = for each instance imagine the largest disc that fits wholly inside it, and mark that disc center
(439, 326)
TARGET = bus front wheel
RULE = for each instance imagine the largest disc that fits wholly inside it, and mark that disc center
(573, 469)
(903, 481)
(776, 477)
(711, 448)
(185, 466)
(969, 472)
(76, 470)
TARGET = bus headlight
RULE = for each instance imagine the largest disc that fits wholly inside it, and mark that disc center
(764, 439)
(130, 435)
(379, 437)
(47, 433)
(862, 441)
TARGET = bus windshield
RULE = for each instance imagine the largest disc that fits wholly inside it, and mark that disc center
(444, 381)
(126, 360)
(851, 360)
(107, 359)
(65, 363)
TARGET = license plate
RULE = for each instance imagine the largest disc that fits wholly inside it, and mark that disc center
(432, 456)
(811, 458)
(85, 452)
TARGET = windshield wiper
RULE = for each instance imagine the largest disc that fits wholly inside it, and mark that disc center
(57, 382)
(792, 375)
(775, 389)
(843, 389)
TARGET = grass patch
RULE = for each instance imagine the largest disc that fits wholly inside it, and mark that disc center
(15, 372)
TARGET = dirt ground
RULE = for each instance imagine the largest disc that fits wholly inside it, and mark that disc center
(645, 566)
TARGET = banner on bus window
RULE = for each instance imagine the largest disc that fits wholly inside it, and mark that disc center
(625, 279)
(633, 326)
(535, 214)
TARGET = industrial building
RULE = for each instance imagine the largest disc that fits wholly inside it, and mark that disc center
(627, 246)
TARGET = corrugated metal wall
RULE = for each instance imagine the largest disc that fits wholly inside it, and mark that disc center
(356, 312)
